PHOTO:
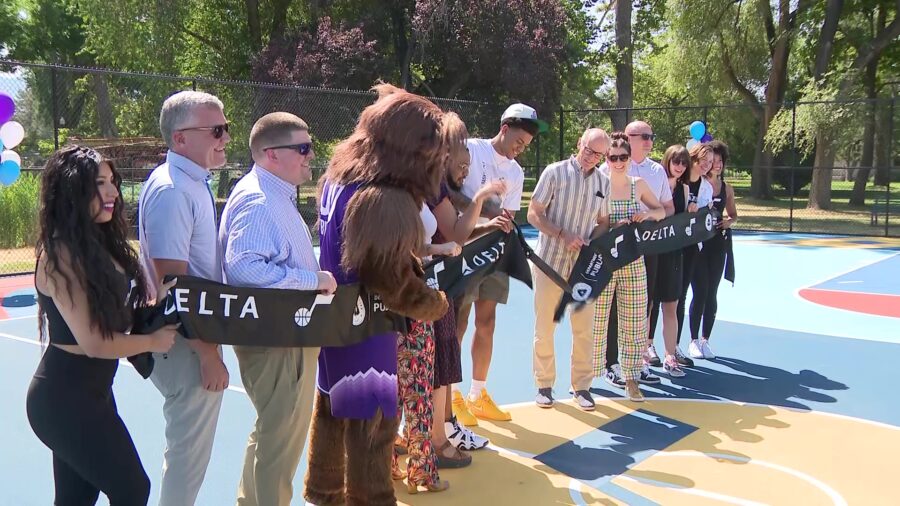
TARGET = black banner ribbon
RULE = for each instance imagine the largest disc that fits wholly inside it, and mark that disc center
(622, 245)
(493, 252)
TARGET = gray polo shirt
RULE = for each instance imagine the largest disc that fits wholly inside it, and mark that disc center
(177, 219)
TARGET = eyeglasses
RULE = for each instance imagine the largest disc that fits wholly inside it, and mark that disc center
(303, 148)
(217, 131)
(646, 137)
(591, 153)
(618, 158)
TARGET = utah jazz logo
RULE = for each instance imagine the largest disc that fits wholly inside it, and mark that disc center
(614, 251)
(433, 282)
(689, 229)
(304, 315)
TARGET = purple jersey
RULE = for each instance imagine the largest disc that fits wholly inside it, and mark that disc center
(363, 377)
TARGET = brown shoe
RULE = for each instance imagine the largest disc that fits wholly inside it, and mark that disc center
(451, 457)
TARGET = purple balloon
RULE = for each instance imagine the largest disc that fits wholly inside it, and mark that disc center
(706, 137)
(7, 108)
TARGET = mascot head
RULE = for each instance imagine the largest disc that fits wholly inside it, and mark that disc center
(398, 142)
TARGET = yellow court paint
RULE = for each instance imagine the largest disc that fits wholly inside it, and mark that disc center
(734, 453)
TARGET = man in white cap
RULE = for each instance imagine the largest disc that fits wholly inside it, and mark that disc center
(492, 160)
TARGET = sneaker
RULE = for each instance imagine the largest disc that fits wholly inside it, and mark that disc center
(584, 400)
(705, 349)
(613, 376)
(652, 357)
(461, 411)
(672, 368)
(463, 438)
(647, 377)
(694, 349)
(633, 391)
(544, 398)
(681, 359)
(484, 407)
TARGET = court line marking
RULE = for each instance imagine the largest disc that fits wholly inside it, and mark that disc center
(850, 311)
(14, 318)
(862, 265)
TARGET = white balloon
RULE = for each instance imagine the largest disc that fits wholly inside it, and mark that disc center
(10, 155)
(691, 143)
(11, 134)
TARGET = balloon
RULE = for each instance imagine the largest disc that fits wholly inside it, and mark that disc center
(11, 134)
(706, 137)
(9, 172)
(7, 108)
(691, 143)
(10, 155)
(697, 130)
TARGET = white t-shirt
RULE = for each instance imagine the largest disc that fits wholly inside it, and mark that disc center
(653, 174)
(486, 165)
(429, 223)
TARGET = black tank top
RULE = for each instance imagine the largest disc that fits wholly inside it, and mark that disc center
(59, 331)
(678, 198)
(694, 189)
(719, 200)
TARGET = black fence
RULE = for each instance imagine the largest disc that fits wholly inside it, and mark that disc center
(118, 114)
(865, 188)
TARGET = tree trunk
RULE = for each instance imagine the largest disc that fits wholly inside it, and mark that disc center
(820, 188)
(624, 64)
(253, 26)
(106, 117)
(883, 143)
(861, 178)
(403, 46)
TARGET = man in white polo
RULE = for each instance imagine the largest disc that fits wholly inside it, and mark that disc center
(564, 208)
(492, 160)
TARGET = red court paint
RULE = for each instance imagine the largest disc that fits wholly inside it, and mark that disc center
(12, 284)
(861, 302)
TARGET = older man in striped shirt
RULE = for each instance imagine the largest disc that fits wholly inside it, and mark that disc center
(564, 208)
(267, 245)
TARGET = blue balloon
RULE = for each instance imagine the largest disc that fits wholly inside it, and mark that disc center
(9, 172)
(697, 130)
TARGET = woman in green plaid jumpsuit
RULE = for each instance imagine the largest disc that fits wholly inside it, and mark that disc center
(626, 194)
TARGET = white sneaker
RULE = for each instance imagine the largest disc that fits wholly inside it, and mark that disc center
(463, 438)
(705, 349)
(694, 349)
(652, 357)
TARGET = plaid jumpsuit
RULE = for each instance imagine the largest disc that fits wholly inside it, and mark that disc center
(630, 285)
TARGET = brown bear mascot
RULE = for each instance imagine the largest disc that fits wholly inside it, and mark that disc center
(369, 230)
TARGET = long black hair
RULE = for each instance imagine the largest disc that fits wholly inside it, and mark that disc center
(68, 187)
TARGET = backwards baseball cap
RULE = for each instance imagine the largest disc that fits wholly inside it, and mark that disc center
(522, 111)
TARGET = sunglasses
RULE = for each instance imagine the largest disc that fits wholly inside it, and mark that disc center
(618, 158)
(303, 148)
(646, 137)
(217, 131)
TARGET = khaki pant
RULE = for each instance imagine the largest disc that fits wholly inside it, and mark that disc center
(191, 414)
(281, 385)
(546, 298)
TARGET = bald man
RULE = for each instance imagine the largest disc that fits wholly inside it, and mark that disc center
(564, 209)
(640, 137)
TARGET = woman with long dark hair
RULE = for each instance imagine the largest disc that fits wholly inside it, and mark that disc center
(88, 281)
(711, 259)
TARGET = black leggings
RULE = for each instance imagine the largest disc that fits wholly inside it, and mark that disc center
(689, 258)
(705, 285)
(72, 410)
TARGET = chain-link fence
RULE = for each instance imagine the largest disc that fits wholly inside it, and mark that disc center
(864, 194)
(117, 113)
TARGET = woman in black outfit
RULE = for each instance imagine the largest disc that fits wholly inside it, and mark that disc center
(88, 281)
(711, 259)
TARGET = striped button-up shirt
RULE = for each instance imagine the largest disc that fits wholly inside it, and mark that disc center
(573, 200)
(264, 239)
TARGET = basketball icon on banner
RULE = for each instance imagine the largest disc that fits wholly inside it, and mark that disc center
(303, 315)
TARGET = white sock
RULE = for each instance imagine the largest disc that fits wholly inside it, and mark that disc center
(475, 390)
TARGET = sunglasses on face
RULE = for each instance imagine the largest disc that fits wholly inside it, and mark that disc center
(303, 148)
(618, 158)
(646, 137)
(217, 131)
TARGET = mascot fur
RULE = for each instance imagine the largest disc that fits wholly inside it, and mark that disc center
(370, 231)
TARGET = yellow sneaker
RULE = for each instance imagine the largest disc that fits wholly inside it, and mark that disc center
(484, 407)
(461, 412)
